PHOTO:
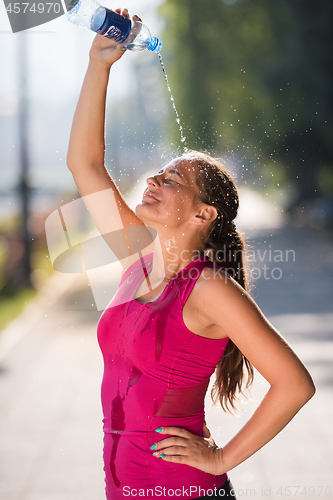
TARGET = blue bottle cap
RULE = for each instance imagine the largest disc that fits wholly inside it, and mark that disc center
(154, 44)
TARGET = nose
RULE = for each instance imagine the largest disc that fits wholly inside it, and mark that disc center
(152, 181)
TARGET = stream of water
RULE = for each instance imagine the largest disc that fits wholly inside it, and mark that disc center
(182, 136)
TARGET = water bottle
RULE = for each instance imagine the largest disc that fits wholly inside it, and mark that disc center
(90, 14)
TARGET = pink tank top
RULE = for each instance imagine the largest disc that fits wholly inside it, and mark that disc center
(156, 373)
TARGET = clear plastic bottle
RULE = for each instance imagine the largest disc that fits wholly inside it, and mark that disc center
(90, 14)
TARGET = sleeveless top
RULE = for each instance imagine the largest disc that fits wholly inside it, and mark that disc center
(156, 373)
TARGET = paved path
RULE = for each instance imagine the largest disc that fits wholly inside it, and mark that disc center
(50, 419)
(51, 367)
(299, 305)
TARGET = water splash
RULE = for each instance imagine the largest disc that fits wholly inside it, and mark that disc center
(182, 136)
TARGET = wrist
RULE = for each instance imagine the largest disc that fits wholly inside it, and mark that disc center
(99, 65)
(222, 466)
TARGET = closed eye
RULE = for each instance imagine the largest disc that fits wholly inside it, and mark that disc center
(170, 180)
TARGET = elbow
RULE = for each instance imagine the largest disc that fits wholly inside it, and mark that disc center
(309, 386)
(304, 385)
(80, 163)
(306, 389)
(311, 390)
(69, 163)
(73, 165)
(73, 160)
(298, 389)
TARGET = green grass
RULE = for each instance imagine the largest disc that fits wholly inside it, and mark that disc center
(12, 306)
(12, 302)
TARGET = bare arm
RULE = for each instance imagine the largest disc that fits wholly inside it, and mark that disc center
(291, 385)
(86, 150)
(229, 308)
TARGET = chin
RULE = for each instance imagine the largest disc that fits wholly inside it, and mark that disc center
(141, 211)
(137, 209)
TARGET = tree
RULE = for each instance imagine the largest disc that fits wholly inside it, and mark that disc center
(255, 77)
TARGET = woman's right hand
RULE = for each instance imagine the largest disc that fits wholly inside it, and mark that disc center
(107, 51)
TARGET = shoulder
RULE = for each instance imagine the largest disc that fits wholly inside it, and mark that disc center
(227, 306)
(214, 301)
(219, 297)
(216, 281)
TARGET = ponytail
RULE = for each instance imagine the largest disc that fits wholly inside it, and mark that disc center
(226, 247)
(231, 367)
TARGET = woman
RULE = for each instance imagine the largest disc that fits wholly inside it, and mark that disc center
(175, 317)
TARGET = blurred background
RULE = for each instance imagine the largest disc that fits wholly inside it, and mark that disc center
(252, 82)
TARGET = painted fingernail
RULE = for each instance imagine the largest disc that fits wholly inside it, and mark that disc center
(162, 456)
(205, 422)
(122, 48)
(126, 10)
(136, 16)
(156, 454)
(159, 429)
(153, 446)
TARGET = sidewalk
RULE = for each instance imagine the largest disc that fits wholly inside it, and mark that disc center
(50, 417)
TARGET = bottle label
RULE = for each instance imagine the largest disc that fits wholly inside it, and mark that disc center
(115, 26)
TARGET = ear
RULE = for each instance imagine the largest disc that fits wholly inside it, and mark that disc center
(205, 215)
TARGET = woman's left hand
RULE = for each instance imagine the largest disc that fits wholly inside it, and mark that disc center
(183, 447)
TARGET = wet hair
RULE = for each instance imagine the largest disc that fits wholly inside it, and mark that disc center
(225, 246)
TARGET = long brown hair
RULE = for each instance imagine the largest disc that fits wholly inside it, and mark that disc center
(226, 247)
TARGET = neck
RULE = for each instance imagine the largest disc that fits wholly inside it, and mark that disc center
(172, 253)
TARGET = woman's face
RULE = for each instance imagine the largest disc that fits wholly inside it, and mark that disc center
(172, 195)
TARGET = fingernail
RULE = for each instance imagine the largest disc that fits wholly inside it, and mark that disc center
(126, 10)
(122, 48)
(156, 454)
(162, 456)
(136, 16)
(205, 422)
(159, 429)
(153, 446)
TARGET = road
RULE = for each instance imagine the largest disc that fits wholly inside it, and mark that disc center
(51, 368)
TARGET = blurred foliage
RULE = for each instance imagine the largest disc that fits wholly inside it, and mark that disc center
(254, 78)
(14, 296)
(11, 250)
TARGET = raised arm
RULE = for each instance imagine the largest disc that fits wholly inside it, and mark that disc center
(86, 151)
